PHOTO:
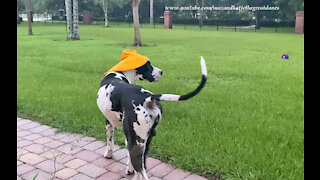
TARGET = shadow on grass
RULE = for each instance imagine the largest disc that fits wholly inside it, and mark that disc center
(127, 45)
(213, 176)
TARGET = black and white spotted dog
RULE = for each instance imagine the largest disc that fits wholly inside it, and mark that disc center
(137, 109)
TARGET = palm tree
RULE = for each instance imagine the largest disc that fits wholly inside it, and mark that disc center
(18, 19)
(69, 18)
(28, 11)
(75, 20)
(135, 13)
(151, 11)
(72, 13)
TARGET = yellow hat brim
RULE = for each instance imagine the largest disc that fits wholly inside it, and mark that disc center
(130, 59)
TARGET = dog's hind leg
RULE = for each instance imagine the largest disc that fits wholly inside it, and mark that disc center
(136, 150)
(137, 161)
(129, 168)
(110, 143)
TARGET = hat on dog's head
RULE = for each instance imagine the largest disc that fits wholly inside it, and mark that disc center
(130, 59)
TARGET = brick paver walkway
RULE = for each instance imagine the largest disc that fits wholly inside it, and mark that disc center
(55, 156)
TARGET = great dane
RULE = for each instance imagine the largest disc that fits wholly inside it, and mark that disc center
(137, 109)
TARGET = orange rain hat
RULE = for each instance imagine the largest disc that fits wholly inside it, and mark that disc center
(130, 59)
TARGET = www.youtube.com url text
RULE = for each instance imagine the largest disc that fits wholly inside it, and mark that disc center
(223, 8)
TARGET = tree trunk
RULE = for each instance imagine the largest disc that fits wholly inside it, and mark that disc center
(105, 9)
(135, 14)
(69, 18)
(151, 11)
(201, 15)
(75, 20)
(18, 19)
(28, 11)
(257, 18)
(201, 19)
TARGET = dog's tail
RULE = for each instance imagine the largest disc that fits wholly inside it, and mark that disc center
(173, 97)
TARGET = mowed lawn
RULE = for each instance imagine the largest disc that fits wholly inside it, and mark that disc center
(247, 123)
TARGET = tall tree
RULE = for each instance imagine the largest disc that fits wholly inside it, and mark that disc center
(201, 16)
(105, 10)
(151, 11)
(18, 19)
(288, 8)
(75, 20)
(108, 5)
(69, 18)
(135, 14)
(28, 11)
(72, 13)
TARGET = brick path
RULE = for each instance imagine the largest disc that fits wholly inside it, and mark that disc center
(58, 156)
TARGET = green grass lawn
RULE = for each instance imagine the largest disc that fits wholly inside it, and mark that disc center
(247, 123)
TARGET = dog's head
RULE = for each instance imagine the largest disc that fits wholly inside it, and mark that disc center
(148, 72)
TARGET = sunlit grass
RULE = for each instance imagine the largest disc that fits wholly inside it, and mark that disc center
(247, 123)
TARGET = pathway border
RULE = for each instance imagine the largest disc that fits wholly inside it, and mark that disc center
(48, 155)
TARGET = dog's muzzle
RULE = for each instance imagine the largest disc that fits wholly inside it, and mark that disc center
(156, 73)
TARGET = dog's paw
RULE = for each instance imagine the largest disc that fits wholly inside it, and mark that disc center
(108, 154)
(129, 170)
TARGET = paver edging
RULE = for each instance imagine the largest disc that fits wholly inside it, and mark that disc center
(38, 143)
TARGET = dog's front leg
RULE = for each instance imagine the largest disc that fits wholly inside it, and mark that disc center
(110, 143)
